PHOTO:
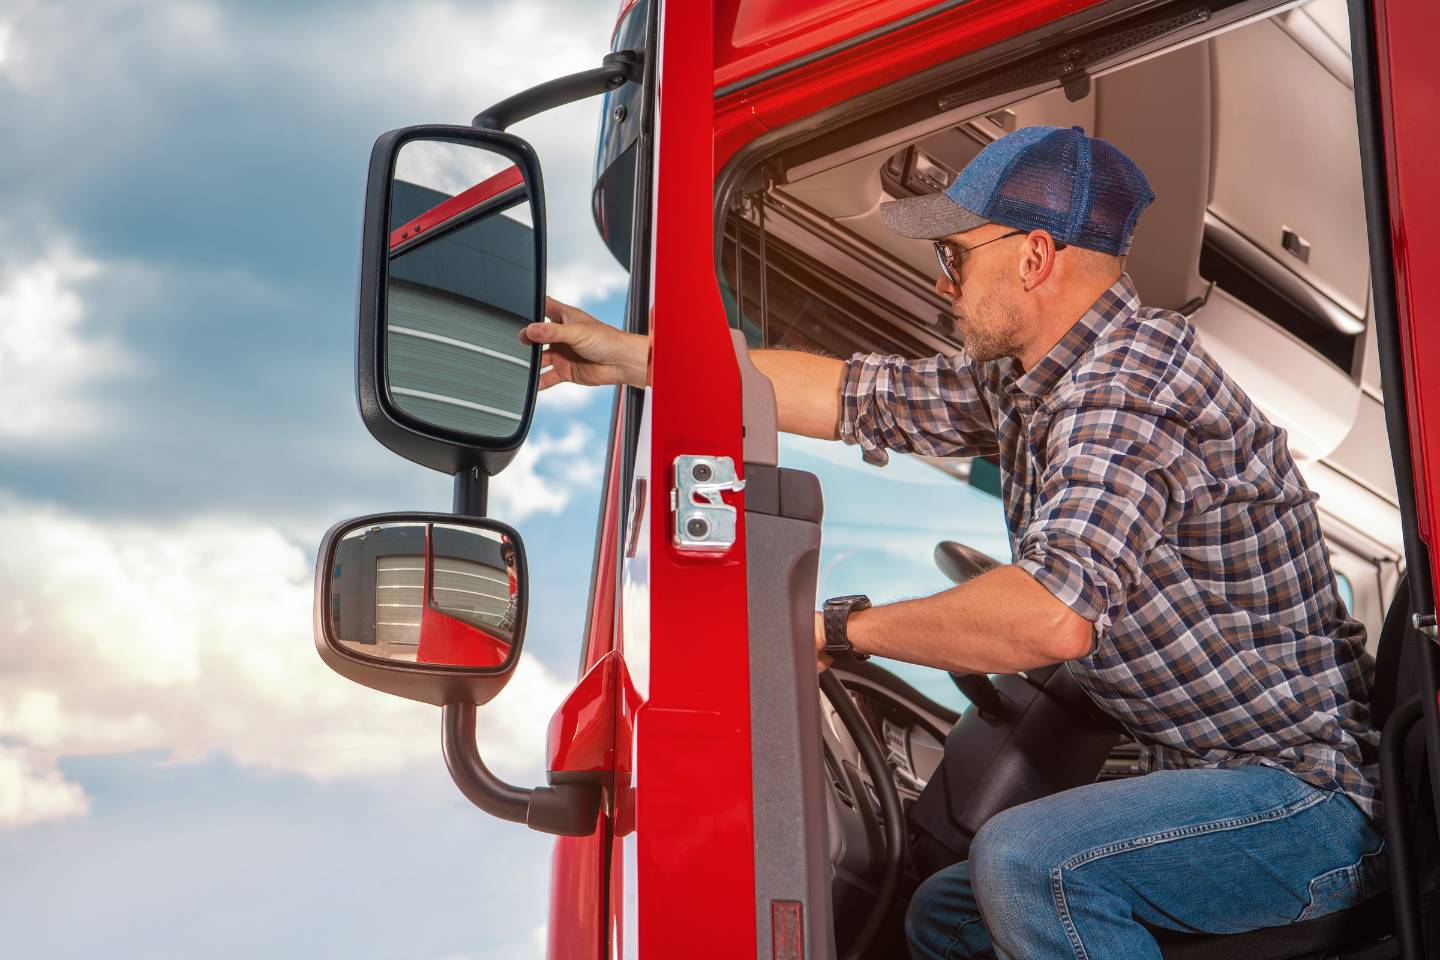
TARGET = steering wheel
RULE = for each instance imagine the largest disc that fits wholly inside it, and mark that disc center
(883, 781)
(961, 564)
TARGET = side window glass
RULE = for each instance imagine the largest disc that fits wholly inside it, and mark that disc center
(880, 530)
(1347, 592)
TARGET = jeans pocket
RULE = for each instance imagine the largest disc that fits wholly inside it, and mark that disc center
(1332, 891)
(1373, 872)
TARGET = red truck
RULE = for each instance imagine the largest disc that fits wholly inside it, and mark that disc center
(709, 798)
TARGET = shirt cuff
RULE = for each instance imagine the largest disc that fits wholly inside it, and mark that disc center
(857, 387)
(1078, 583)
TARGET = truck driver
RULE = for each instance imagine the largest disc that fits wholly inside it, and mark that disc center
(1165, 547)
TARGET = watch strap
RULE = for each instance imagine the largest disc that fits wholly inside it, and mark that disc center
(836, 617)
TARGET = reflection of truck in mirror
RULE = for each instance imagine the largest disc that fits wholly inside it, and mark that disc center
(456, 300)
(707, 800)
(377, 594)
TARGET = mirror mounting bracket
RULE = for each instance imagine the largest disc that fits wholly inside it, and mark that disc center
(617, 69)
(565, 809)
(471, 488)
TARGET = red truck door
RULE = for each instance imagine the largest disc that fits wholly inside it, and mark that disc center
(685, 838)
(1399, 141)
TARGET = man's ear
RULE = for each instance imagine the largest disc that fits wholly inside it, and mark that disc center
(1037, 259)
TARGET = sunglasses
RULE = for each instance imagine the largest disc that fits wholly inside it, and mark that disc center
(952, 256)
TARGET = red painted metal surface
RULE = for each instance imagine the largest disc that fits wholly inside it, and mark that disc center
(694, 833)
(507, 180)
(1409, 91)
(445, 639)
(577, 897)
(578, 879)
(755, 35)
(746, 114)
(581, 738)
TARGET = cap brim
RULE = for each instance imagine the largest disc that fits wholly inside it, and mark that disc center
(929, 218)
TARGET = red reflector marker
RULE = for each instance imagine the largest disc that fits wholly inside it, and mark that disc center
(787, 935)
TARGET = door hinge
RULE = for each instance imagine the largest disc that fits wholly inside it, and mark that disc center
(702, 520)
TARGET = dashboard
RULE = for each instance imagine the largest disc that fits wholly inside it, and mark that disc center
(910, 730)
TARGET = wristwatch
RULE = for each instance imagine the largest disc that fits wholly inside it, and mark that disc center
(837, 615)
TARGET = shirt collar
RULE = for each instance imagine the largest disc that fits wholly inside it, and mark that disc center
(1115, 304)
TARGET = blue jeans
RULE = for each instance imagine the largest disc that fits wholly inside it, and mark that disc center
(1083, 873)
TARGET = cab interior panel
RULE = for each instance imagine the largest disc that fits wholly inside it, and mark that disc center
(1248, 136)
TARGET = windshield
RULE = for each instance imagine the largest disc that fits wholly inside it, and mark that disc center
(880, 530)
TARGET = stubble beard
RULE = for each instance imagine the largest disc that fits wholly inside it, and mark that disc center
(989, 329)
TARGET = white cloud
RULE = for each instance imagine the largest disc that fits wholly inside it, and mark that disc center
(392, 64)
(450, 168)
(47, 361)
(571, 463)
(583, 282)
(33, 791)
(194, 638)
(456, 84)
(569, 397)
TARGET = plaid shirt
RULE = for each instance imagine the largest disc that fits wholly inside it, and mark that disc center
(1147, 493)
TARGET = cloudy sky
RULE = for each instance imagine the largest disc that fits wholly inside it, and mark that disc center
(180, 195)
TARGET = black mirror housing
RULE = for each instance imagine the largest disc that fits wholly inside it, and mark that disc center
(393, 415)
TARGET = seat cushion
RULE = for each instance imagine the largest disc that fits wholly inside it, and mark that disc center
(1354, 929)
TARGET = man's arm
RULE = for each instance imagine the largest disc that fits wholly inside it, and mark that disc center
(1102, 504)
(933, 407)
(581, 349)
(807, 391)
(1000, 622)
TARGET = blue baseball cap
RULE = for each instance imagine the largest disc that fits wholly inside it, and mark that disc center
(1081, 189)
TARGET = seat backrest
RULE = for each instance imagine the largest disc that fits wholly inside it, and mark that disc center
(1397, 657)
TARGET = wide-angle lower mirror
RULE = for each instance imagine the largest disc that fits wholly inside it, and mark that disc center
(427, 592)
(461, 282)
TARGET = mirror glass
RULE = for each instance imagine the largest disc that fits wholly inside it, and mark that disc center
(461, 282)
(439, 593)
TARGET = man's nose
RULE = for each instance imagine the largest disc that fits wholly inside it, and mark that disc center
(944, 287)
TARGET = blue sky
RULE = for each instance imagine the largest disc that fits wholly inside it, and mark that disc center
(180, 198)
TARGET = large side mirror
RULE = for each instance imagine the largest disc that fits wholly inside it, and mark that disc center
(431, 607)
(452, 267)
(425, 606)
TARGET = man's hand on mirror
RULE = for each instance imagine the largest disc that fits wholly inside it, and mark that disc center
(580, 349)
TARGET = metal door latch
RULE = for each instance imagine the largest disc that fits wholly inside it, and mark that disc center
(703, 521)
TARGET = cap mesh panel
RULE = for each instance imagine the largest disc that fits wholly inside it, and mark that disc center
(1038, 187)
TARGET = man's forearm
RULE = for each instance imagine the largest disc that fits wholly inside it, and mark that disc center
(1000, 622)
(807, 390)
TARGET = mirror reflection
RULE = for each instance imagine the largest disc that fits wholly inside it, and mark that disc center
(436, 593)
(461, 283)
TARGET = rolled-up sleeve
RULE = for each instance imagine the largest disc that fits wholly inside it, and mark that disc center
(934, 407)
(1101, 504)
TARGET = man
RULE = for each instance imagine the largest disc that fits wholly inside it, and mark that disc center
(1164, 545)
(507, 556)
